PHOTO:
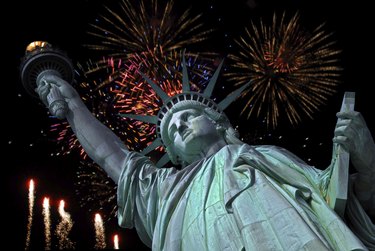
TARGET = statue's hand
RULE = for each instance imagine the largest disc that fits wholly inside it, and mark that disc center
(354, 136)
(52, 86)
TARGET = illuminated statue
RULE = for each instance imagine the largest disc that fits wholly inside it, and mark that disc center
(227, 195)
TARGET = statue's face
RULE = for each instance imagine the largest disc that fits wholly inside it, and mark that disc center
(192, 133)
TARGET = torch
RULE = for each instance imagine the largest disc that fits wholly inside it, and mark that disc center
(41, 60)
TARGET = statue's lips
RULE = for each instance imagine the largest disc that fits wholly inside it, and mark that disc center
(186, 133)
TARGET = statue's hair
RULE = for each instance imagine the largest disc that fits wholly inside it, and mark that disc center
(222, 125)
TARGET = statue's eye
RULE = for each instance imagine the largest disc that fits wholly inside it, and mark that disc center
(187, 116)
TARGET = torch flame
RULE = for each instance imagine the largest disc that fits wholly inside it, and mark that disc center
(36, 45)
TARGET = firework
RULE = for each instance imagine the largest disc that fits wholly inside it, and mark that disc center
(31, 212)
(145, 27)
(47, 223)
(64, 227)
(293, 71)
(95, 190)
(141, 34)
(115, 242)
(99, 232)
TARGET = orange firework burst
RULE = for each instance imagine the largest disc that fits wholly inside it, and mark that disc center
(145, 27)
(147, 30)
(293, 71)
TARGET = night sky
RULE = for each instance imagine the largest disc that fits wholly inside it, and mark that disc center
(28, 145)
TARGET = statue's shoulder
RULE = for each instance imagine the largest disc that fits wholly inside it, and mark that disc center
(276, 152)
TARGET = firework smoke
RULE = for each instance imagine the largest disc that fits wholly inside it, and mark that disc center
(63, 228)
(47, 223)
(31, 210)
(99, 232)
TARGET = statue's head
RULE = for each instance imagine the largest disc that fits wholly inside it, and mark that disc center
(191, 126)
(198, 111)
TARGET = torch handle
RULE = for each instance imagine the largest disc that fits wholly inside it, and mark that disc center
(56, 102)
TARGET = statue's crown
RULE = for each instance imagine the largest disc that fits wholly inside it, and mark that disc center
(182, 101)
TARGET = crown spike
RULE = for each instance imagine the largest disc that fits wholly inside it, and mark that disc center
(185, 76)
(210, 87)
(231, 97)
(144, 118)
(156, 88)
(162, 161)
(157, 142)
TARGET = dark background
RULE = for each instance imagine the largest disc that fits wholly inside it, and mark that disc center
(64, 23)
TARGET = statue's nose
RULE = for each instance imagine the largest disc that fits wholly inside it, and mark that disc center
(181, 127)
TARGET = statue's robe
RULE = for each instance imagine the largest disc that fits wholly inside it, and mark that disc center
(241, 198)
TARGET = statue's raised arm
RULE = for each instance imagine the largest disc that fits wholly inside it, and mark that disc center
(98, 141)
(47, 71)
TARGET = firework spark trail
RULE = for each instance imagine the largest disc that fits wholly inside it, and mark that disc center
(47, 223)
(115, 242)
(292, 71)
(31, 210)
(99, 233)
(64, 227)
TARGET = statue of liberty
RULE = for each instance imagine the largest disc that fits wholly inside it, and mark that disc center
(224, 194)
